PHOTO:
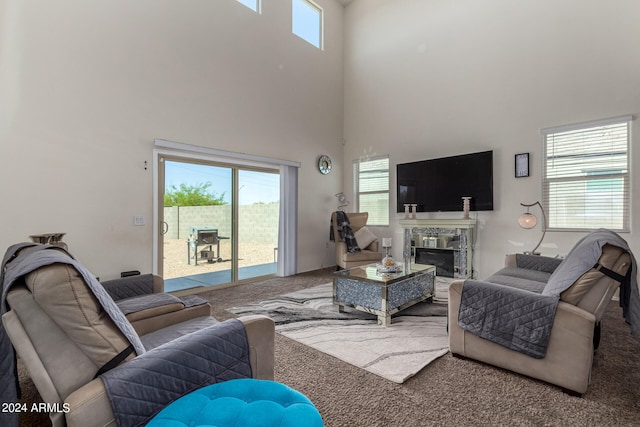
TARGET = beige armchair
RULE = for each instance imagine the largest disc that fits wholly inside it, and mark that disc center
(369, 252)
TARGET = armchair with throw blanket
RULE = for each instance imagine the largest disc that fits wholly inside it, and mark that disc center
(355, 243)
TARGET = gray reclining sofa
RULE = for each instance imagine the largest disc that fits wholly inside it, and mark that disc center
(91, 373)
(539, 316)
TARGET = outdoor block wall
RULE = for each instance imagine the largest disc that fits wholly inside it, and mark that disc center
(257, 223)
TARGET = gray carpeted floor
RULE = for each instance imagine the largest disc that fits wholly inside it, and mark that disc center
(448, 392)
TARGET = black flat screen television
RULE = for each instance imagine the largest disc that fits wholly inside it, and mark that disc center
(438, 185)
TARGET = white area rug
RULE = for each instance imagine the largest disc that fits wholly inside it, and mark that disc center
(417, 336)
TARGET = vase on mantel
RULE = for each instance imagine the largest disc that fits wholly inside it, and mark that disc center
(466, 204)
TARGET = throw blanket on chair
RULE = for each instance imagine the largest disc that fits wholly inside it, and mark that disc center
(8, 374)
(345, 232)
(514, 318)
(584, 256)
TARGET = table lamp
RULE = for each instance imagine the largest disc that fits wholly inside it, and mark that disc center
(528, 220)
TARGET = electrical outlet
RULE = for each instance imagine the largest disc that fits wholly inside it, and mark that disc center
(138, 220)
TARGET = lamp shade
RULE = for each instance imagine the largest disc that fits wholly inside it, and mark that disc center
(386, 242)
(527, 220)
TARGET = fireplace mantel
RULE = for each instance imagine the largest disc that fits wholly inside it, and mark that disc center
(446, 235)
(432, 223)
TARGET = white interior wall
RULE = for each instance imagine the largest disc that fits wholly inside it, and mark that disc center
(86, 87)
(433, 78)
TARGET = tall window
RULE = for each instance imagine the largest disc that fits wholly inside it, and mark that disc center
(586, 175)
(371, 178)
(251, 4)
(307, 21)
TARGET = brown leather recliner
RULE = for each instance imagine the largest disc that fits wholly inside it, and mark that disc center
(63, 336)
(369, 252)
(569, 353)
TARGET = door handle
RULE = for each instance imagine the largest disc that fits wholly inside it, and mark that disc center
(165, 227)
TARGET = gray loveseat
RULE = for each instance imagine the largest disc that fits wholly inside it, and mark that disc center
(579, 307)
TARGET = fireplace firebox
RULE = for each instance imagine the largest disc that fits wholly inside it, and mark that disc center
(443, 259)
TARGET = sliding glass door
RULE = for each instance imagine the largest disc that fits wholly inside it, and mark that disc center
(258, 217)
(219, 222)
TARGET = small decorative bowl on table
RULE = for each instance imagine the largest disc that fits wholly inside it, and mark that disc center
(388, 266)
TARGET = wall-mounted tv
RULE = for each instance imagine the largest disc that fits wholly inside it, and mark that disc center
(438, 185)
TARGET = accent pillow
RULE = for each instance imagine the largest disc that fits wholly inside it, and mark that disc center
(364, 237)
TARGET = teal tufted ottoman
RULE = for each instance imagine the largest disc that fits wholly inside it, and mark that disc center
(244, 402)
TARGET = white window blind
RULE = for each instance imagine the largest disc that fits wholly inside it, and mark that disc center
(586, 175)
(372, 189)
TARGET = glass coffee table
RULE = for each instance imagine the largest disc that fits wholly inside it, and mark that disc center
(383, 294)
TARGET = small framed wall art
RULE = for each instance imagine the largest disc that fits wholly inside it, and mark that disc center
(522, 165)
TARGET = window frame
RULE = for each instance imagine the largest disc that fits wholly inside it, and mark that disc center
(356, 189)
(589, 178)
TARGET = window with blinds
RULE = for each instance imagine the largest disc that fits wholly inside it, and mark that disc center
(585, 182)
(371, 178)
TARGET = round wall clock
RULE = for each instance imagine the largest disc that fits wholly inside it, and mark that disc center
(324, 164)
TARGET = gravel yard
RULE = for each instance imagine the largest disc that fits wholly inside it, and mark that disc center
(175, 257)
